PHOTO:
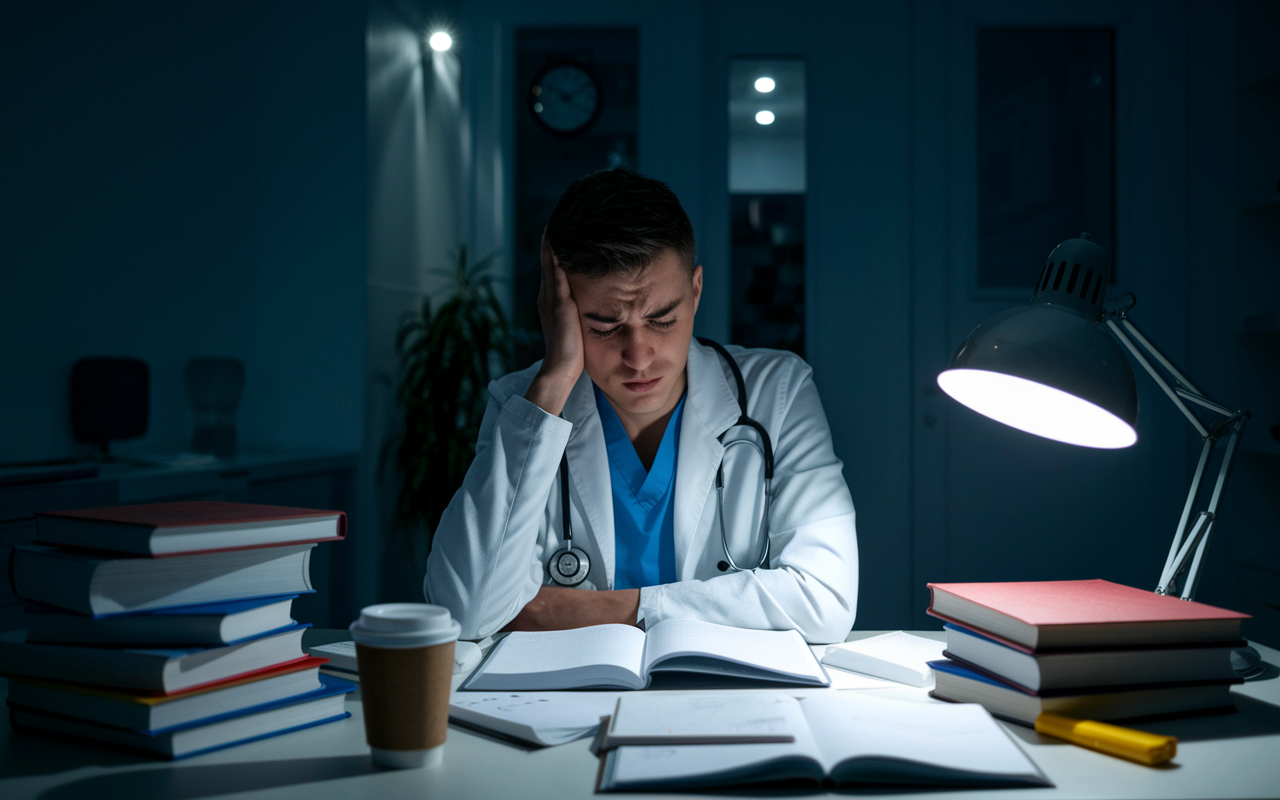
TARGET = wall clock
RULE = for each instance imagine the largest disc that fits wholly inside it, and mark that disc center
(565, 98)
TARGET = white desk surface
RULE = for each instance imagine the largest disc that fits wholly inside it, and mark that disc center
(1226, 756)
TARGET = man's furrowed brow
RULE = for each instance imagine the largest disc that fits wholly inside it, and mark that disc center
(611, 319)
(665, 310)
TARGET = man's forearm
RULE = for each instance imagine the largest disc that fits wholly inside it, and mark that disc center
(558, 608)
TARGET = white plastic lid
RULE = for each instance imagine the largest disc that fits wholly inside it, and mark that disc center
(403, 625)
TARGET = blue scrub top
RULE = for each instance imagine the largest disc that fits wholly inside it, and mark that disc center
(643, 511)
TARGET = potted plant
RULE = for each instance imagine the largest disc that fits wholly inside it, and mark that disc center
(447, 358)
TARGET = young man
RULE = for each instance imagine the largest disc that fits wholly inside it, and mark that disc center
(644, 416)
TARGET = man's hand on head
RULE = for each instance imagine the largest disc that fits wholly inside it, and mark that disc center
(559, 607)
(562, 332)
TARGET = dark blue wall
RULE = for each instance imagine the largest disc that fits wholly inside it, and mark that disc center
(182, 180)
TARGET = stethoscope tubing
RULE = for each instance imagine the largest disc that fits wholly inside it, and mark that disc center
(765, 448)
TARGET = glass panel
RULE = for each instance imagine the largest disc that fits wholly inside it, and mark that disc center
(767, 183)
(1046, 148)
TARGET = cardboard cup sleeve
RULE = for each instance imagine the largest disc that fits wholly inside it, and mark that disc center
(405, 692)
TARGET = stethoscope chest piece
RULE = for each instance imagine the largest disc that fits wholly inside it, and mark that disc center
(569, 566)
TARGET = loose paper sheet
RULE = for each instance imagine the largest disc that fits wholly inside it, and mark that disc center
(540, 717)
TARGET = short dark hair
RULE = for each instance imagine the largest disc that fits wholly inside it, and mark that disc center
(617, 220)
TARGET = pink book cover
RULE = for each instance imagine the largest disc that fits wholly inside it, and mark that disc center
(1091, 602)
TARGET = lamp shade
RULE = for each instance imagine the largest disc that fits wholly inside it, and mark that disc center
(1049, 368)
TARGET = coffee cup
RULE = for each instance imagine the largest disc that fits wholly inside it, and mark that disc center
(405, 657)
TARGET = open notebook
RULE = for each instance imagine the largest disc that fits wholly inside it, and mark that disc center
(841, 740)
(625, 657)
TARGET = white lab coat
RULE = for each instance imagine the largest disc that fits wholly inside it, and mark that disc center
(490, 551)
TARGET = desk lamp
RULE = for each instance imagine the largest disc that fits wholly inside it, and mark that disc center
(1056, 368)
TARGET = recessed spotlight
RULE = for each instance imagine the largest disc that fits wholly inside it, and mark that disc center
(764, 117)
(440, 41)
(765, 85)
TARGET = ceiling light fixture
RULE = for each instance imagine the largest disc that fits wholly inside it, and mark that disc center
(440, 41)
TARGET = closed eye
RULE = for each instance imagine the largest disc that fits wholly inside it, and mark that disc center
(604, 333)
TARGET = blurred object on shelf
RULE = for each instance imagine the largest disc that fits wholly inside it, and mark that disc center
(214, 386)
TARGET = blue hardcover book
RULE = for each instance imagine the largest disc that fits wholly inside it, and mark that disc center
(209, 624)
(214, 733)
(104, 586)
(163, 671)
(961, 684)
(141, 711)
(1096, 669)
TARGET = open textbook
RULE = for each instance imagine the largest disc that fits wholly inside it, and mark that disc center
(841, 740)
(625, 657)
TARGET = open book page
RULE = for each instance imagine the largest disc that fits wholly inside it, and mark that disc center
(705, 765)
(691, 645)
(864, 738)
(699, 718)
(601, 655)
(545, 718)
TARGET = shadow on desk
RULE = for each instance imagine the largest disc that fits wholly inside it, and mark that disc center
(28, 754)
(1251, 718)
(186, 782)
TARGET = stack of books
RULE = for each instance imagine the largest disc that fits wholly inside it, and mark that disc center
(1088, 649)
(168, 628)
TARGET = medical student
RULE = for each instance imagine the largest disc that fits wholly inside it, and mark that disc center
(637, 419)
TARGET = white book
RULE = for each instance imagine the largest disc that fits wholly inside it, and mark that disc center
(893, 656)
(625, 657)
(99, 585)
(208, 624)
(844, 739)
(341, 655)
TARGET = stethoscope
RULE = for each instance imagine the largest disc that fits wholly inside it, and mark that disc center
(569, 565)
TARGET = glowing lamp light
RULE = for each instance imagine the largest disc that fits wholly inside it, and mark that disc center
(1036, 408)
(1059, 368)
(764, 117)
(440, 41)
(765, 85)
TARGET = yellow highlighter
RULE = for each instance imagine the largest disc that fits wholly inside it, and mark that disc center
(1145, 748)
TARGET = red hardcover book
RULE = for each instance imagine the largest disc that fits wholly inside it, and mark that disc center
(153, 670)
(201, 526)
(1050, 615)
(150, 698)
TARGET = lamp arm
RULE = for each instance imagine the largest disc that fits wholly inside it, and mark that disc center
(1137, 355)
(1191, 539)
